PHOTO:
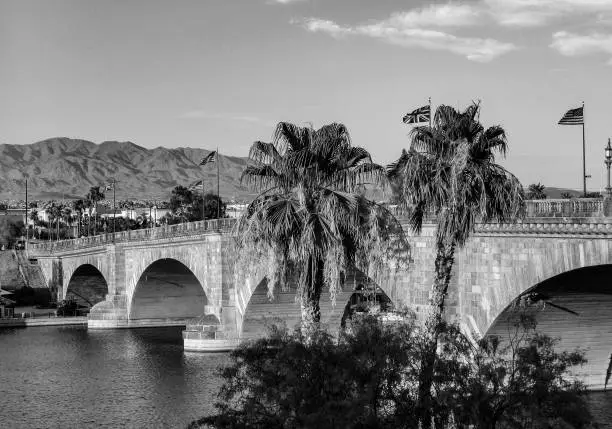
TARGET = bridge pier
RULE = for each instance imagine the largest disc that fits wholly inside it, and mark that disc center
(208, 334)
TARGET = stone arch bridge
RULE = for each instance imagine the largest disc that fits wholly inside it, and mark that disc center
(176, 274)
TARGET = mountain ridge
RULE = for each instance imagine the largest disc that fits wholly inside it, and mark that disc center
(63, 167)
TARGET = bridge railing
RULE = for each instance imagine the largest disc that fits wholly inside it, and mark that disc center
(161, 232)
(551, 208)
(575, 207)
(535, 209)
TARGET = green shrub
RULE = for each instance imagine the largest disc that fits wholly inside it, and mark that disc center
(368, 378)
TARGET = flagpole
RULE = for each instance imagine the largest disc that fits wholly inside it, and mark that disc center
(114, 211)
(584, 175)
(203, 202)
(218, 187)
(26, 214)
(430, 112)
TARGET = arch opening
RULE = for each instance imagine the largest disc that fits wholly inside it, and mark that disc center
(284, 306)
(366, 298)
(167, 290)
(573, 307)
(87, 287)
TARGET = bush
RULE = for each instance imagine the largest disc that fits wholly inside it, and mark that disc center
(368, 378)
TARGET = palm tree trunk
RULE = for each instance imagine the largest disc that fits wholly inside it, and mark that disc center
(444, 265)
(310, 299)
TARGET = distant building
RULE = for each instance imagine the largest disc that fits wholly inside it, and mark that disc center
(13, 214)
(148, 212)
(235, 210)
(7, 306)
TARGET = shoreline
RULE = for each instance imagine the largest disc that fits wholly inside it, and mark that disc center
(42, 321)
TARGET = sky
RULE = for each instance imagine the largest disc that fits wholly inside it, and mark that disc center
(222, 73)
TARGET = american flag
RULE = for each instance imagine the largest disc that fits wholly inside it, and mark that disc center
(422, 114)
(211, 157)
(573, 117)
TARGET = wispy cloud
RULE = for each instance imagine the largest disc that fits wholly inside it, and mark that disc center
(439, 15)
(572, 44)
(315, 25)
(530, 13)
(284, 1)
(439, 26)
(203, 114)
(402, 30)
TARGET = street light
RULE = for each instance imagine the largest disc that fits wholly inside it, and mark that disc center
(608, 162)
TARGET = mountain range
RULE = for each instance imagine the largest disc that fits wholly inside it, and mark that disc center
(66, 168)
(62, 167)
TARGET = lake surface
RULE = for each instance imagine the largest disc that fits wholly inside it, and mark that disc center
(69, 377)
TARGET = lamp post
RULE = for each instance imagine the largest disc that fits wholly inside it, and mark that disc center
(608, 162)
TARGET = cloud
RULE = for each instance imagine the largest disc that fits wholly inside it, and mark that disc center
(439, 15)
(439, 26)
(315, 25)
(284, 1)
(572, 44)
(534, 13)
(203, 114)
(403, 31)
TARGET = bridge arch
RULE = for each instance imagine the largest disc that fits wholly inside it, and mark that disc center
(86, 285)
(259, 309)
(71, 264)
(491, 271)
(574, 307)
(167, 289)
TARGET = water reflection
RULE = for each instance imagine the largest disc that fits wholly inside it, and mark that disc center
(71, 377)
(65, 377)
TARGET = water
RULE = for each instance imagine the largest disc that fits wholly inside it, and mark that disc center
(69, 377)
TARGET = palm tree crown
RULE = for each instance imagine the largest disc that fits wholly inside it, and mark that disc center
(309, 218)
(535, 191)
(450, 173)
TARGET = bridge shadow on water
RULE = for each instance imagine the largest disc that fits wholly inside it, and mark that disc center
(575, 308)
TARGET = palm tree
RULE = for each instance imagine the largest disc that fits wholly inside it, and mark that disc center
(308, 221)
(66, 213)
(450, 175)
(94, 195)
(33, 216)
(79, 207)
(535, 191)
(54, 212)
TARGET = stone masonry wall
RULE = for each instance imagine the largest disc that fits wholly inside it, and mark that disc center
(493, 269)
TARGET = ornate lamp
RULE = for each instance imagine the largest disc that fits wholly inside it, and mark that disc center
(608, 162)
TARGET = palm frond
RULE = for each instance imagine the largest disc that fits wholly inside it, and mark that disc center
(262, 152)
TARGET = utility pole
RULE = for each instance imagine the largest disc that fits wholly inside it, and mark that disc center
(26, 213)
(218, 188)
(584, 156)
(608, 162)
(114, 213)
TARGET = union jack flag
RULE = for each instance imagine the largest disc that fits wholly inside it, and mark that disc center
(573, 117)
(195, 186)
(422, 114)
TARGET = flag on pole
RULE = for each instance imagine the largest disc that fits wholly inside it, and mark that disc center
(195, 186)
(422, 114)
(109, 187)
(211, 157)
(573, 117)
